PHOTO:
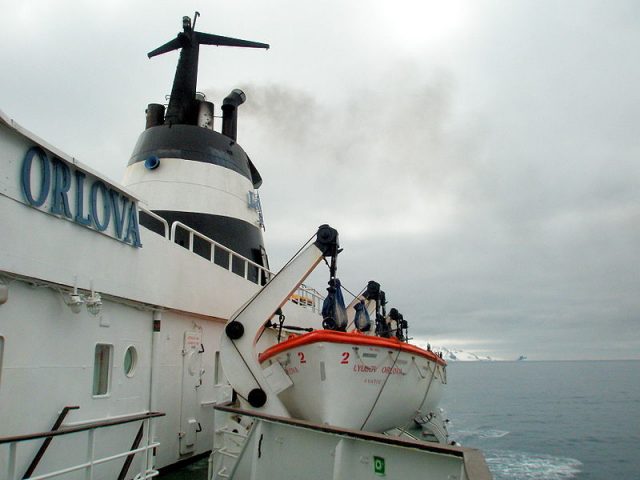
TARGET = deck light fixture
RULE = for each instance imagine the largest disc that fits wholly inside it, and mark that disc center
(73, 300)
(94, 302)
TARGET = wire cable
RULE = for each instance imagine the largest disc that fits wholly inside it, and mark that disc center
(244, 307)
(380, 391)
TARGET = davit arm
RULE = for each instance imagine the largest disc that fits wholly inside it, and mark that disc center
(238, 342)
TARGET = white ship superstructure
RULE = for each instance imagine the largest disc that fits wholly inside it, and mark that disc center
(114, 324)
(114, 297)
(115, 317)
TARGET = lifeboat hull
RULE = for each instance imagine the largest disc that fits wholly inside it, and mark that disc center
(355, 381)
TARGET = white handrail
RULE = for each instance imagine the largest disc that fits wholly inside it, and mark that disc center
(170, 234)
(157, 217)
(246, 262)
(148, 470)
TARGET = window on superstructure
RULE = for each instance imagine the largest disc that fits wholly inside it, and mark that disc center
(102, 369)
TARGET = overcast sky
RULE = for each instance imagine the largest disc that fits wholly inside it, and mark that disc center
(480, 159)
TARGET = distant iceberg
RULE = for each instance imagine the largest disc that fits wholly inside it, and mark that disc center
(455, 355)
(462, 356)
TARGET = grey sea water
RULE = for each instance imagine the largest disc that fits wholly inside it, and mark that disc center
(549, 420)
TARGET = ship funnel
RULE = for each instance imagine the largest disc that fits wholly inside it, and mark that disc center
(230, 113)
(191, 173)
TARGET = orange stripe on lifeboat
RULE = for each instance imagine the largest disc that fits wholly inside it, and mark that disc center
(352, 338)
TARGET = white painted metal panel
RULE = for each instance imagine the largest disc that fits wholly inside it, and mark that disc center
(188, 186)
(191, 381)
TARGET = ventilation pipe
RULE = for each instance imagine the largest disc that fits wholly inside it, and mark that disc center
(205, 115)
(155, 115)
(230, 113)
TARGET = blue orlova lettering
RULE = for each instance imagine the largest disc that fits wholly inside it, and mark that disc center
(106, 206)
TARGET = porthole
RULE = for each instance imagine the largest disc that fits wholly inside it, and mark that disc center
(130, 361)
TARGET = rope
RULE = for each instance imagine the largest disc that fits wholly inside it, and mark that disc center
(246, 365)
(433, 374)
(351, 293)
(426, 393)
(296, 254)
(342, 284)
(380, 391)
(418, 369)
(354, 296)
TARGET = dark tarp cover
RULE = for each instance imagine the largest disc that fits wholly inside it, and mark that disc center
(362, 320)
(334, 313)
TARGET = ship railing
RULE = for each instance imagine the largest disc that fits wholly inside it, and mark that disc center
(213, 251)
(308, 297)
(158, 218)
(198, 243)
(147, 466)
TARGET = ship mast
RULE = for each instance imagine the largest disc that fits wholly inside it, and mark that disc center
(182, 104)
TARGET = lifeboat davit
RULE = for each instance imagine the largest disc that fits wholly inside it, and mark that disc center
(357, 381)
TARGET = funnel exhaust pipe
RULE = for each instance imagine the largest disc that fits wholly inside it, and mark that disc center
(154, 115)
(230, 113)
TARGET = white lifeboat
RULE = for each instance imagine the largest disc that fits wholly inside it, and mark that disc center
(352, 380)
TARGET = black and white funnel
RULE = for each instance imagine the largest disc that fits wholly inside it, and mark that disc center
(186, 171)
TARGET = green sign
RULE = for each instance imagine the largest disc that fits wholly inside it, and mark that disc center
(378, 465)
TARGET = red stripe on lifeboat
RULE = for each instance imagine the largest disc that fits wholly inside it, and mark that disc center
(352, 338)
